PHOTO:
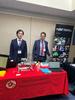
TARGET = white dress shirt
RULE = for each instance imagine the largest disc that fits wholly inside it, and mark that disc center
(19, 41)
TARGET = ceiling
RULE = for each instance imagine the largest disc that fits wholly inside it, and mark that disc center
(33, 8)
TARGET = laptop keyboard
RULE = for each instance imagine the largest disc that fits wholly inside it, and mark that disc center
(56, 69)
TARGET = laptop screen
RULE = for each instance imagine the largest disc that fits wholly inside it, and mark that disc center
(3, 62)
(54, 64)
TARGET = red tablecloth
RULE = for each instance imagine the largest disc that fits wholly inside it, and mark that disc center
(32, 84)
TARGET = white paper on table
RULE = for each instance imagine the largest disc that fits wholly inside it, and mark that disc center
(72, 65)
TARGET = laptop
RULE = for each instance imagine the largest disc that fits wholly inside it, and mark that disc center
(6, 63)
(55, 66)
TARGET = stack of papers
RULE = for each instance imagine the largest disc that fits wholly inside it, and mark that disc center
(2, 73)
(45, 70)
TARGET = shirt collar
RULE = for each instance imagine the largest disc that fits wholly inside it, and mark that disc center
(19, 39)
(42, 40)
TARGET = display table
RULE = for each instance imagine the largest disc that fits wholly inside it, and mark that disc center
(33, 83)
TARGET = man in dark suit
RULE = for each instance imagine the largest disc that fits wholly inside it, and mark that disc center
(18, 48)
(40, 49)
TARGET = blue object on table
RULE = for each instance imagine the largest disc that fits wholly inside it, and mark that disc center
(45, 70)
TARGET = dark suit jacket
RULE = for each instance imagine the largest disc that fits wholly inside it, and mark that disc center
(14, 49)
(36, 49)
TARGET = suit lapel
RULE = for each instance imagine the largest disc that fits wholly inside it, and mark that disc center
(16, 42)
(22, 44)
(39, 46)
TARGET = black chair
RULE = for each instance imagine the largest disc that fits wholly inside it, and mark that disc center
(11, 64)
(4, 55)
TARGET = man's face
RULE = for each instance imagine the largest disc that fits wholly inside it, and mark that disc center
(43, 36)
(20, 35)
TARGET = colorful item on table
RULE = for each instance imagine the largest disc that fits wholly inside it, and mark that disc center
(45, 70)
(2, 73)
(44, 64)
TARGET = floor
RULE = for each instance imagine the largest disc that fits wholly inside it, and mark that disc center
(55, 97)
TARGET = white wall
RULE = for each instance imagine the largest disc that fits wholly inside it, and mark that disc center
(9, 24)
